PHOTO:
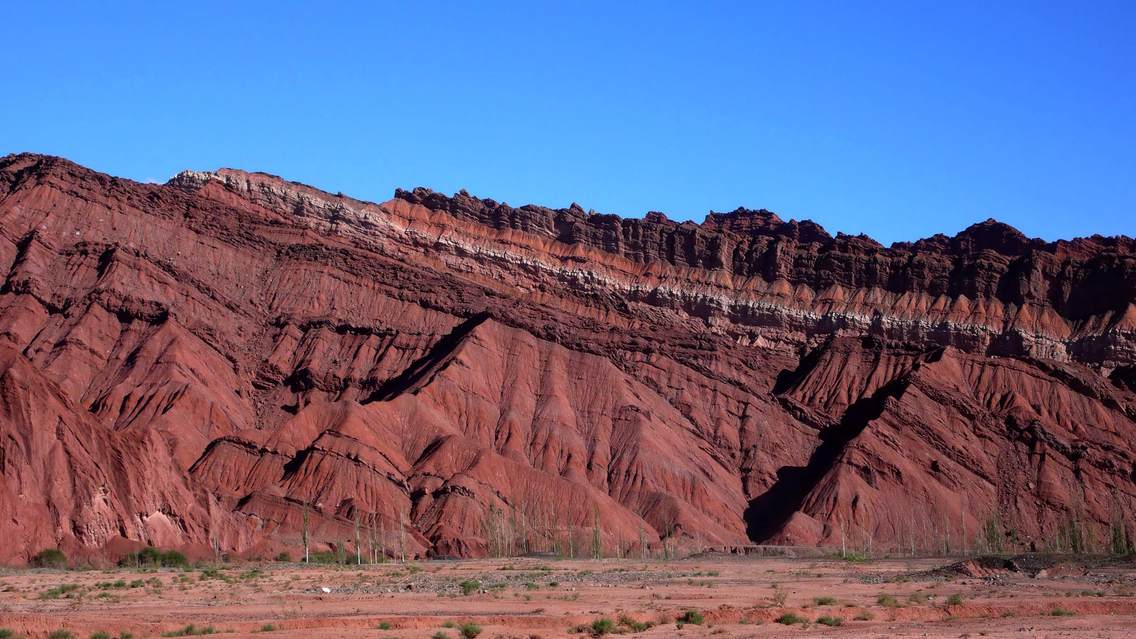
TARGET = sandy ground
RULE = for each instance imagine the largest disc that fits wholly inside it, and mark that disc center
(529, 598)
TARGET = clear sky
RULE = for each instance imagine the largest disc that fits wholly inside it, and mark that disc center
(896, 119)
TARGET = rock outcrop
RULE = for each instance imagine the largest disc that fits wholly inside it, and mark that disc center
(218, 362)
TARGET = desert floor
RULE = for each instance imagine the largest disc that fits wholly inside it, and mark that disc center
(528, 598)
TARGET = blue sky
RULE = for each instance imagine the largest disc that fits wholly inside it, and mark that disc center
(895, 119)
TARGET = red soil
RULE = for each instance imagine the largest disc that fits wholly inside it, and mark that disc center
(529, 598)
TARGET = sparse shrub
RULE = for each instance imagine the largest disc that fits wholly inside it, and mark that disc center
(602, 626)
(1061, 612)
(887, 601)
(58, 591)
(469, 586)
(151, 556)
(633, 625)
(828, 620)
(100, 635)
(50, 558)
(469, 630)
(789, 619)
(954, 600)
(864, 616)
(824, 601)
(268, 628)
(692, 617)
(992, 532)
(440, 635)
(779, 597)
(1119, 543)
(190, 631)
(60, 634)
(284, 557)
(448, 624)
(854, 557)
(324, 557)
(7, 633)
(917, 597)
(384, 626)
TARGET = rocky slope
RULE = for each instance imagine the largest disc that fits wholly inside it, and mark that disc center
(212, 362)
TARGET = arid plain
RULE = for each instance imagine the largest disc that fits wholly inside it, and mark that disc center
(717, 596)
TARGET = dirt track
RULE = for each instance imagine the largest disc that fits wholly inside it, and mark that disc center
(536, 598)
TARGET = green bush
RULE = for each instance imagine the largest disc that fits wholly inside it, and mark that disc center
(440, 635)
(49, 558)
(7, 633)
(100, 635)
(469, 630)
(602, 626)
(824, 601)
(828, 620)
(469, 586)
(384, 626)
(789, 619)
(268, 628)
(1061, 612)
(954, 600)
(692, 617)
(60, 634)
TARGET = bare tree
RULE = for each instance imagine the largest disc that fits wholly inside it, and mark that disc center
(402, 535)
(358, 551)
(304, 535)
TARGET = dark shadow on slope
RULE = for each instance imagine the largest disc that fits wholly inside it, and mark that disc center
(424, 368)
(787, 379)
(767, 513)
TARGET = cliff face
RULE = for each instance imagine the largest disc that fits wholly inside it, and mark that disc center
(203, 362)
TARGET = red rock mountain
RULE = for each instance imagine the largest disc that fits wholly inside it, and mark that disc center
(199, 364)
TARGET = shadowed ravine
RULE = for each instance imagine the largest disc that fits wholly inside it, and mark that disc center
(767, 513)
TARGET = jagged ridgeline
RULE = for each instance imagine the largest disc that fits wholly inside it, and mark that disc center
(234, 363)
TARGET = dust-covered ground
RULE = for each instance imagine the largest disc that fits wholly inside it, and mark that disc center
(528, 598)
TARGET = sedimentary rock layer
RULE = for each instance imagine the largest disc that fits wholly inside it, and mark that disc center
(212, 362)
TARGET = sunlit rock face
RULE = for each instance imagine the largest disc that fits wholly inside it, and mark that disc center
(210, 363)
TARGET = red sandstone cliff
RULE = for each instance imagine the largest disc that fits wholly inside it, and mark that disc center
(199, 363)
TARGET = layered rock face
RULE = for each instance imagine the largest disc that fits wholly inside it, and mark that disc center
(220, 361)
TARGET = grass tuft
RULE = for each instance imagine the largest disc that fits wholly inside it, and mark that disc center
(789, 619)
(888, 601)
(190, 631)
